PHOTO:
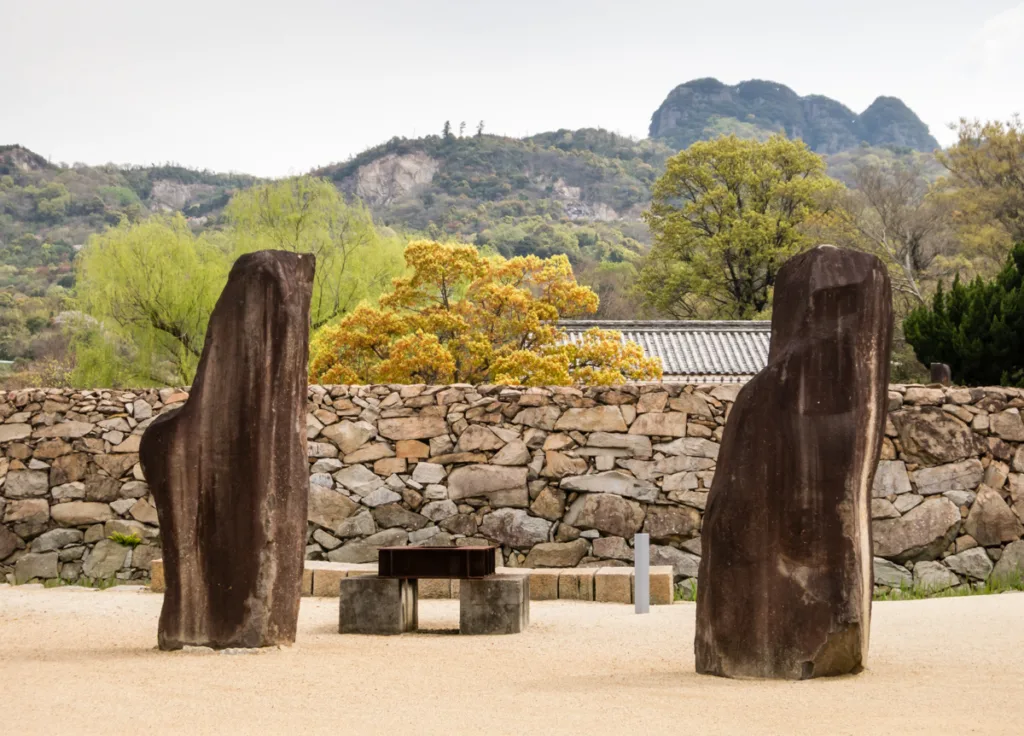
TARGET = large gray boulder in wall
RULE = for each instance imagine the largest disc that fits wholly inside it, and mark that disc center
(786, 565)
(228, 470)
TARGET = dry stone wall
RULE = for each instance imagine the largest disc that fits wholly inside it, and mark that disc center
(557, 477)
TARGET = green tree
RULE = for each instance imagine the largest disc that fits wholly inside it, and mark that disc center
(354, 260)
(985, 186)
(150, 287)
(977, 328)
(725, 216)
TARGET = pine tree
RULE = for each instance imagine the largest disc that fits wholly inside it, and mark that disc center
(977, 328)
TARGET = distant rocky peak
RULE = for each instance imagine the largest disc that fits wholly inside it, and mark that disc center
(703, 108)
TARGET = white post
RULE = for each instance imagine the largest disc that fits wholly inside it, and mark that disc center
(642, 572)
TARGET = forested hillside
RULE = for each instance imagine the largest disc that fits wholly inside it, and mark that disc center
(580, 193)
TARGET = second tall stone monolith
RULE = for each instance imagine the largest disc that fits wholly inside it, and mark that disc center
(228, 471)
(786, 570)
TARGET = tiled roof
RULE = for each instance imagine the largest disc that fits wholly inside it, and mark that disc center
(699, 352)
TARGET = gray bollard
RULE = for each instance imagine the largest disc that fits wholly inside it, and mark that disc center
(642, 572)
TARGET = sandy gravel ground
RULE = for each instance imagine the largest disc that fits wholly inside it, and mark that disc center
(76, 661)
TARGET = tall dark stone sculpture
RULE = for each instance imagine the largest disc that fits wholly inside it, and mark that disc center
(786, 570)
(229, 471)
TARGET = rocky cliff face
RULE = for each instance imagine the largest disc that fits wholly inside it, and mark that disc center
(695, 110)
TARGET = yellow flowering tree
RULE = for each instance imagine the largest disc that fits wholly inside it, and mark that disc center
(461, 317)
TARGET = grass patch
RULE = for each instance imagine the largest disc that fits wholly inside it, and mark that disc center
(132, 540)
(989, 587)
(98, 584)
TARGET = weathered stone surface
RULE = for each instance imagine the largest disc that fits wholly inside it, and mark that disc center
(991, 521)
(412, 428)
(229, 470)
(80, 513)
(593, 419)
(515, 527)
(931, 436)
(380, 497)
(26, 484)
(613, 548)
(14, 432)
(891, 575)
(427, 473)
(56, 539)
(102, 488)
(549, 504)
(933, 577)
(143, 511)
(613, 481)
(881, 508)
(963, 476)
(607, 513)
(66, 430)
(514, 453)
(27, 518)
(369, 453)
(359, 525)
(974, 563)
(785, 575)
(558, 465)
(671, 424)
(920, 534)
(1008, 425)
(671, 523)
(329, 508)
(1010, 566)
(891, 479)
(392, 515)
(68, 469)
(639, 446)
(365, 550)
(439, 510)
(478, 438)
(691, 446)
(105, 559)
(42, 565)
(541, 417)
(480, 480)
(359, 479)
(557, 554)
(9, 542)
(349, 436)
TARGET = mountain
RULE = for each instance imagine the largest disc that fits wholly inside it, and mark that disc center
(705, 108)
(577, 192)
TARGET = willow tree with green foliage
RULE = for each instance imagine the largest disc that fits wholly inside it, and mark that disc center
(725, 216)
(150, 288)
(976, 328)
(354, 260)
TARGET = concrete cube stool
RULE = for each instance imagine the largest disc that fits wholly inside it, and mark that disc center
(372, 605)
(496, 604)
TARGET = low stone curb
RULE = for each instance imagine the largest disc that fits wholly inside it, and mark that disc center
(601, 584)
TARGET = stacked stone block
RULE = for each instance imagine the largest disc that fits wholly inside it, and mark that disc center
(556, 477)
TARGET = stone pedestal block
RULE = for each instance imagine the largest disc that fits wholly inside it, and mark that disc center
(613, 585)
(544, 584)
(156, 577)
(228, 471)
(786, 564)
(497, 604)
(372, 605)
(327, 576)
(577, 584)
(662, 589)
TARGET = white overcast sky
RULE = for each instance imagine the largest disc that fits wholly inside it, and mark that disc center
(276, 88)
